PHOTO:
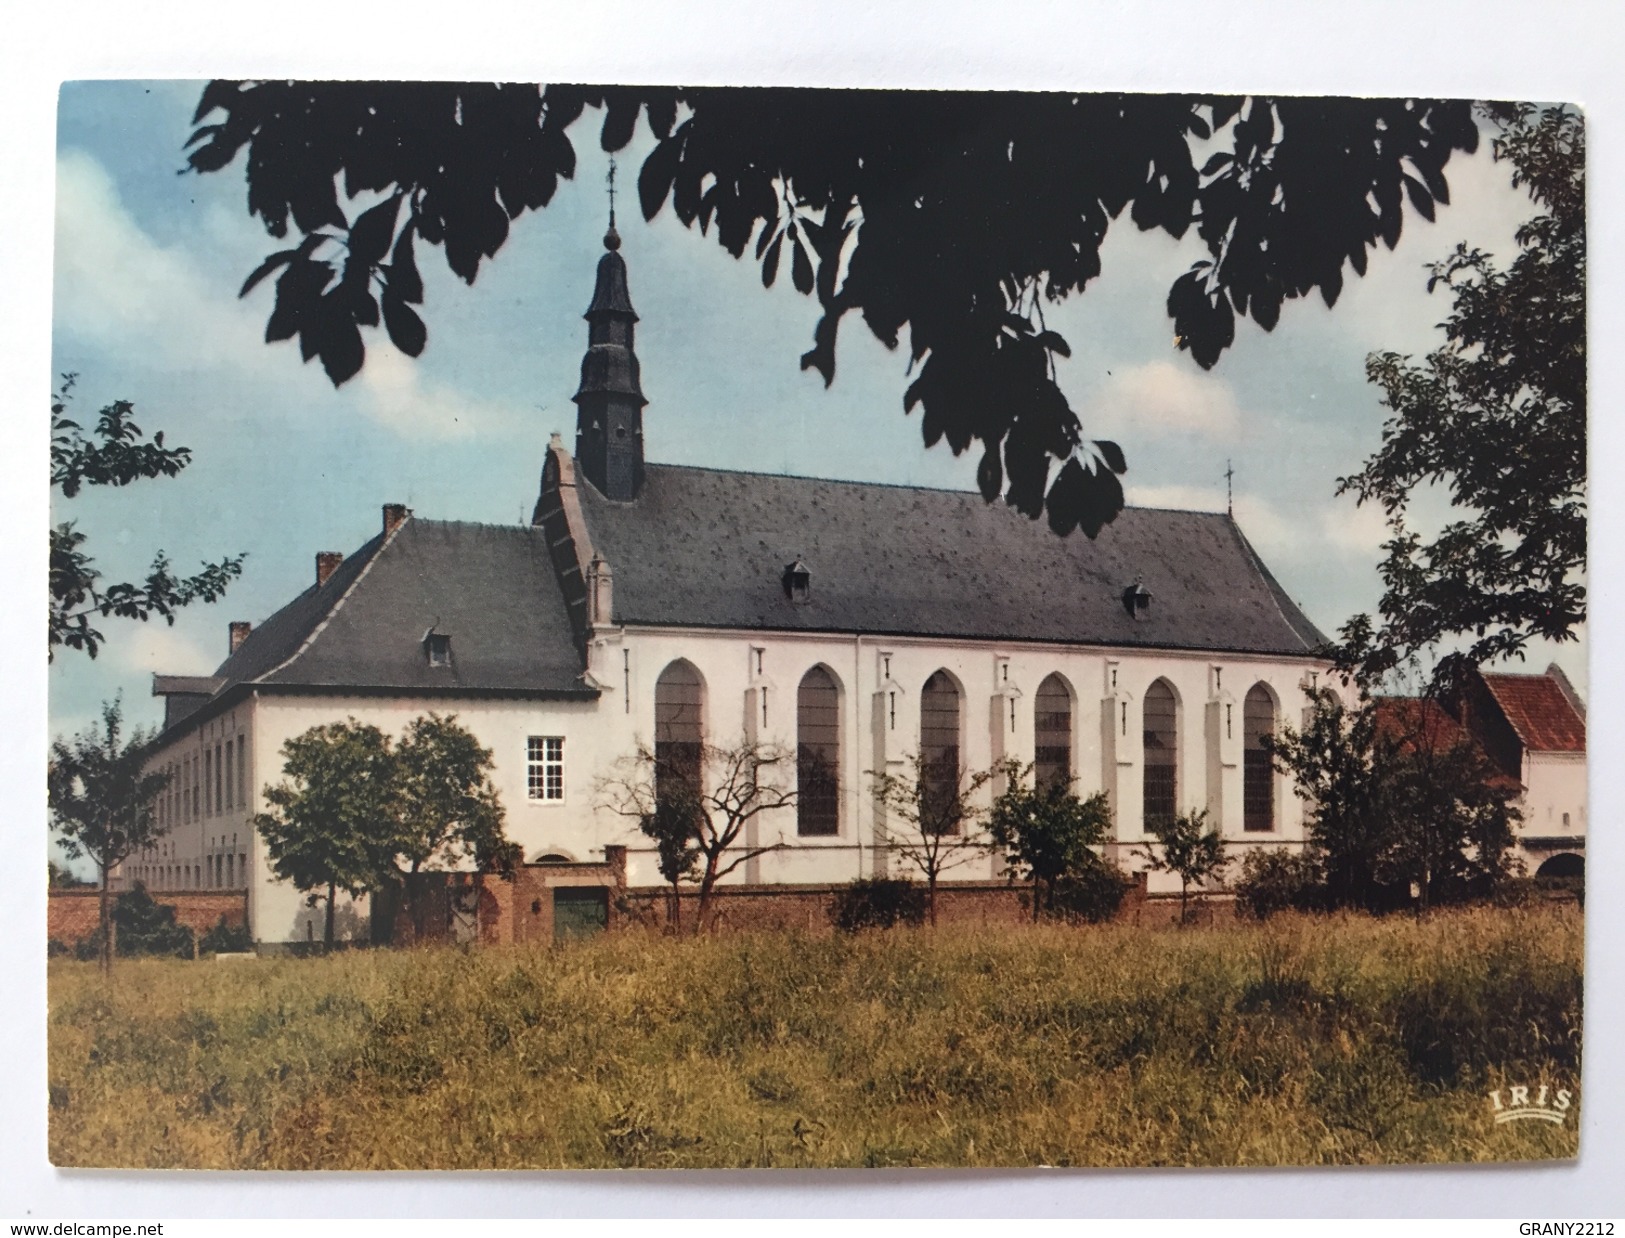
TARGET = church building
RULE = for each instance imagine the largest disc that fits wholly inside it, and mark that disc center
(856, 625)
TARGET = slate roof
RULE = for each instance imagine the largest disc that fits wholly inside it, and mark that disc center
(491, 588)
(1538, 710)
(708, 548)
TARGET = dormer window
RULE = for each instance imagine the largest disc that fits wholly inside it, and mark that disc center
(1137, 600)
(437, 647)
(798, 582)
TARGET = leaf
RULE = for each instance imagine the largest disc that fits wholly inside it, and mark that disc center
(1055, 343)
(406, 329)
(801, 270)
(219, 93)
(1112, 454)
(372, 232)
(404, 280)
(1065, 499)
(1102, 502)
(1421, 200)
(341, 349)
(770, 264)
(276, 260)
(990, 474)
(656, 175)
(620, 120)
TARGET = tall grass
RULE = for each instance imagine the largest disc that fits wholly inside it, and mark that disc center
(1326, 1041)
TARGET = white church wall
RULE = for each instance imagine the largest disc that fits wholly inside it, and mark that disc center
(879, 681)
(278, 911)
(207, 838)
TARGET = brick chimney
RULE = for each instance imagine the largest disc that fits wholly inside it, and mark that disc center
(395, 515)
(327, 562)
(239, 633)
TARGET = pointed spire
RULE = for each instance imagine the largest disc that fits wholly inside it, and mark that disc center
(609, 420)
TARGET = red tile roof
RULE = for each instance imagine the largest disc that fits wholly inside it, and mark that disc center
(1418, 722)
(1543, 717)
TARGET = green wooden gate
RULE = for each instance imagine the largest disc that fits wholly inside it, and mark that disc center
(579, 911)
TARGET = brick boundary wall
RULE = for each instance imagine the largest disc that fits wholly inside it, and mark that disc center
(521, 910)
(742, 908)
(72, 915)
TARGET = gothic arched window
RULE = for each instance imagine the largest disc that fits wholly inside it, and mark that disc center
(1258, 779)
(939, 747)
(1161, 753)
(1052, 733)
(679, 730)
(818, 753)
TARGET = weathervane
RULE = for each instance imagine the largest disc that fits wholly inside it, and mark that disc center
(1229, 490)
(611, 179)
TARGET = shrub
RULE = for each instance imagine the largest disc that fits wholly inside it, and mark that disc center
(148, 927)
(877, 902)
(1274, 879)
(226, 938)
(1093, 892)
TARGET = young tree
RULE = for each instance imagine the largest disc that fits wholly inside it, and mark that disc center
(939, 814)
(1334, 769)
(1189, 847)
(103, 802)
(448, 813)
(697, 814)
(671, 826)
(1046, 831)
(361, 810)
(116, 456)
(870, 198)
(333, 819)
(1498, 417)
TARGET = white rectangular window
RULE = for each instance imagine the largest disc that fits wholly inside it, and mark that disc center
(544, 775)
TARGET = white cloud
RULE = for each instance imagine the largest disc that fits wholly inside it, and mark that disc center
(148, 304)
(156, 648)
(1306, 535)
(120, 289)
(1165, 397)
(397, 395)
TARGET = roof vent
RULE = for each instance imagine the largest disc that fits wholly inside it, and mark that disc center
(798, 582)
(1137, 600)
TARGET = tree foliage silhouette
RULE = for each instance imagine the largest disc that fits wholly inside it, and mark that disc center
(115, 455)
(1498, 417)
(956, 216)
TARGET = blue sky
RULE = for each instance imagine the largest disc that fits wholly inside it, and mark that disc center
(148, 263)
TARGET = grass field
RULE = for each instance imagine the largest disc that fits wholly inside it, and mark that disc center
(1303, 1041)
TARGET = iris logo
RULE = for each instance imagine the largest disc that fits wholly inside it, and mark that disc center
(1548, 1105)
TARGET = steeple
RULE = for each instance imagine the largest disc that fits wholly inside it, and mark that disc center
(609, 405)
